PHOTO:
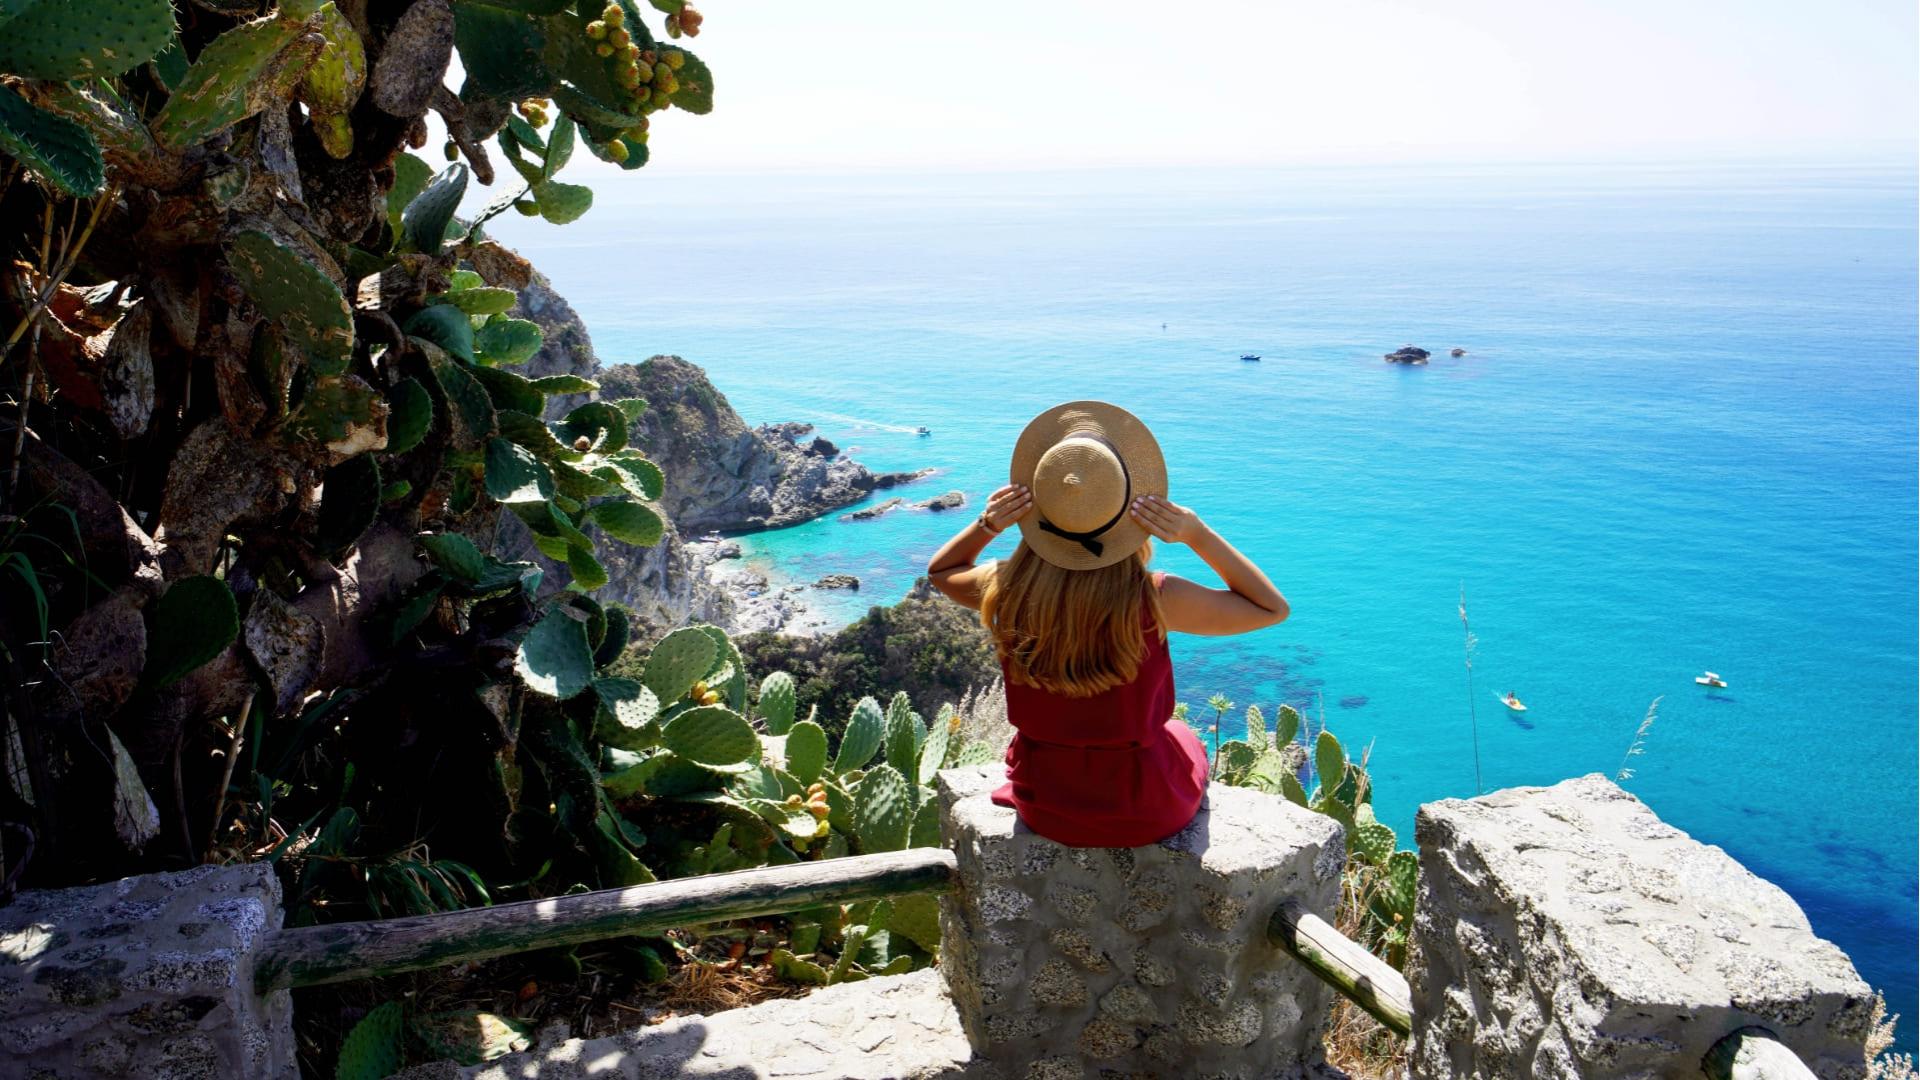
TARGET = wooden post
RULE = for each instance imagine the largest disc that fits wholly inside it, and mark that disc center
(1752, 1053)
(1340, 962)
(310, 955)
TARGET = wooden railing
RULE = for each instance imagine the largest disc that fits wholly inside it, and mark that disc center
(312, 955)
(337, 952)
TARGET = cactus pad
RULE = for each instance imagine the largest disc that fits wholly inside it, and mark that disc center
(628, 521)
(916, 917)
(230, 80)
(903, 736)
(1286, 725)
(333, 84)
(865, 731)
(629, 715)
(409, 415)
(504, 342)
(514, 475)
(469, 406)
(424, 222)
(777, 702)
(601, 424)
(619, 634)
(193, 622)
(1290, 787)
(486, 300)
(1370, 841)
(342, 412)
(640, 477)
(806, 751)
(883, 810)
(1396, 888)
(58, 150)
(373, 1047)
(677, 661)
(445, 327)
(1330, 761)
(349, 500)
(510, 391)
(304, 304)
(711, 735)
(480, 574)
(926, 821)
(554, 658)
(562, 384)
(58, 40)
(933, 752)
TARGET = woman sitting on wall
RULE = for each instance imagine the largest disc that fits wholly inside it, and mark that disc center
(1081, 627)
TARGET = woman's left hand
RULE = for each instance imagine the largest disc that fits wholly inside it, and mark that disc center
(1007, 506)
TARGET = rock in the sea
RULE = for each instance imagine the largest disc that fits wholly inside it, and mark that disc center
(838, 581)
(1408, 354)
(724, 475)
(951, 500)
(1457, 351)
(727, 549)
(868, 513)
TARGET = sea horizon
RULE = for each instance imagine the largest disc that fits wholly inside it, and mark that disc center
(1682, 438)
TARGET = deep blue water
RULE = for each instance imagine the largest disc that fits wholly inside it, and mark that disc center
(1684, 438)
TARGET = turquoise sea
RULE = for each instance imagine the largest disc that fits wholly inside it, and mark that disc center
(1683, 437)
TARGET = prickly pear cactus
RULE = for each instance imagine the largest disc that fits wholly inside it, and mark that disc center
(232, 79)
(332, 86)
(806, 751)
(865, 732)
(903, 736)
(677, 662)
(62, 152)
(59, 40)
(777, 702)
(711, 735)
(883, 810)
(303, 303)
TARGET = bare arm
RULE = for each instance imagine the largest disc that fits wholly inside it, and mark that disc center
(952, 568)
(1249, 601)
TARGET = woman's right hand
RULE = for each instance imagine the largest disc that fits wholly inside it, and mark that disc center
(1007, 506)
(1166, 520)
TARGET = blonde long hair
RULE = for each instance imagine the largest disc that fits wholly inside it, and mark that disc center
(1070, 632)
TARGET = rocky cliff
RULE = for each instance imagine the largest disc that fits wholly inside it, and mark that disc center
(723, 475)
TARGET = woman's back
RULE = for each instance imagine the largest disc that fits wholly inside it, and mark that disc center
(1108, 770)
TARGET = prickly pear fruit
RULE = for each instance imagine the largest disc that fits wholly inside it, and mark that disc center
(527, 208)
(673, 26)
(711, 697)
(603, 50)
(614, 15)
(617, 150)
(618, 37)
(690, 21)
(645, 69)
(582, 444)
(597, 30)
(676, 59)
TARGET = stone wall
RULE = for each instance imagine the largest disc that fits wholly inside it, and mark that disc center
(149, 976)
(1065, 962)
(1566, 931)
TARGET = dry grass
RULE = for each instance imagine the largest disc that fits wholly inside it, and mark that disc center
(1356, 1043)
(1880, 1064)
(981, 717)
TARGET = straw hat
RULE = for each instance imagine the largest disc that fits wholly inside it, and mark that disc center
(1085, 462)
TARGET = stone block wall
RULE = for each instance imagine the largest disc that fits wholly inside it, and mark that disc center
(1566, 931)
(1150, 961)
(149, 976)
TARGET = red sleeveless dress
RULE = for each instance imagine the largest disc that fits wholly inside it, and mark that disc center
(1111, 770)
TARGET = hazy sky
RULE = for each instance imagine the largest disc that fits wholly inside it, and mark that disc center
(855, 84)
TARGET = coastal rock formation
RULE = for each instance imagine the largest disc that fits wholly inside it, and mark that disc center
(1568, 931)
(566, 348)
(1407, 354)
(950, 501)
(1456, 352)
(838, 581)
(723, 475)
(868, 513)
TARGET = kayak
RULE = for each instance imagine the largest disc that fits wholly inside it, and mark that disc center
(1511, 703)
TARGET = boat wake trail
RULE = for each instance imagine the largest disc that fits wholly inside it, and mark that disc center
(870, 425)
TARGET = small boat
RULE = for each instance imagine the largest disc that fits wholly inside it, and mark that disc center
(1710, 679)
(922, 432)
(1511, 702)
(1250, 357)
